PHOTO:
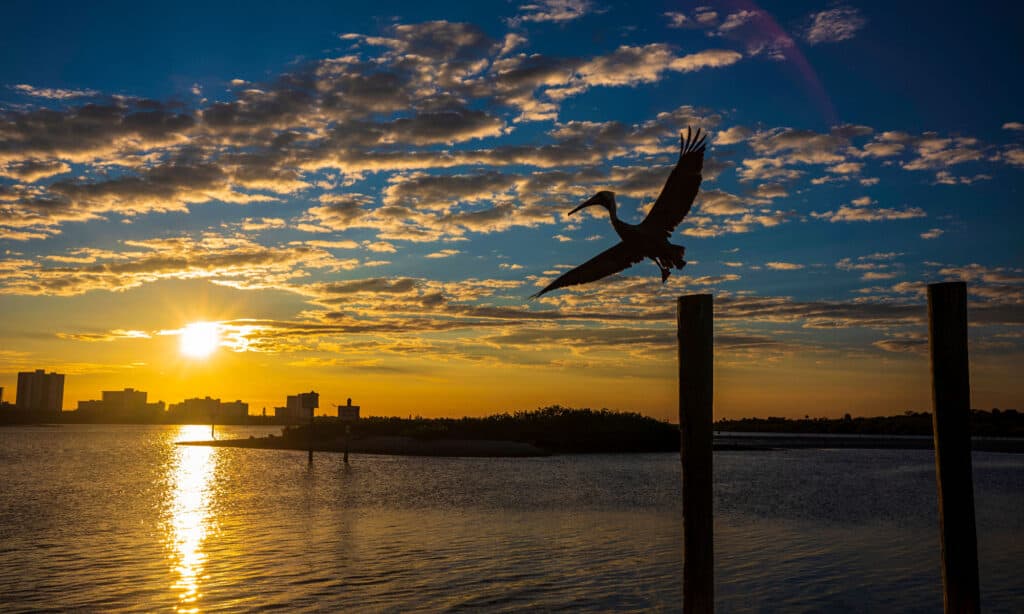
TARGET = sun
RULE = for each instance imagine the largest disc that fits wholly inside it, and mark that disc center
(199, 339)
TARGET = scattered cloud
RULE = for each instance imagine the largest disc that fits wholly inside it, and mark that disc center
(737, 19)
(718, 202)
(862, 210)
(676, 20)
(846, 168)
(32, 170)
(52, 93)
(733, 135)
(553, 10)
(834, 25)
(706, 16)
(113, 335)
(947, 178)
(915, 343)
(1013, 156)
(783, 266)
(934, 152)
(264, 223)
(223, 259)
(444, 253)
(877, 275)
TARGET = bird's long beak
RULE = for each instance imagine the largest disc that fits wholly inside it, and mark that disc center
(593, 201)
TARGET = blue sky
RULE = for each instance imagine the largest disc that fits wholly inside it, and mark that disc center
(367, 193)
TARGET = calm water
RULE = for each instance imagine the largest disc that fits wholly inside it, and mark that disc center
(119, 518)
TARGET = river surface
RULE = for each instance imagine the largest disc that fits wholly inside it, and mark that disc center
(118, 518)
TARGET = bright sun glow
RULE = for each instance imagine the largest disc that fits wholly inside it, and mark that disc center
(200, 339)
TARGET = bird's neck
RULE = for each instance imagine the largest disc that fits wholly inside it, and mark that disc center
(612, 212)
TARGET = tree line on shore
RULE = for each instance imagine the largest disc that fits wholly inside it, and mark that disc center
(555, 428)
(994, 423)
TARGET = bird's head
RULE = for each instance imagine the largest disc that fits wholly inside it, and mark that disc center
(604, 198)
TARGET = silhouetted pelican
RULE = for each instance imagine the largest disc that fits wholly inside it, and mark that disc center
(649, 239)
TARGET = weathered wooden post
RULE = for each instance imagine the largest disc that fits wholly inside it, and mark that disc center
(348, 413)
(695, 321)
(951, 405)
(312, 415)
(303, 401)
(348, 438)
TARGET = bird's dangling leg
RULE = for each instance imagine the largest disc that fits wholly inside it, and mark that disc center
(664, 268)
(676, 256)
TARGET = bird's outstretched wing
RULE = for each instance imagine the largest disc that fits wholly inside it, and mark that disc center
(612, 260)
(677, 196)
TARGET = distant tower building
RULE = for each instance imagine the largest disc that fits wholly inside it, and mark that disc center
(309, 400)
(127, 401)
(299, 408)
(236, 411)
(128, 404)
(209, 410)
(40, 391)
(348, 411)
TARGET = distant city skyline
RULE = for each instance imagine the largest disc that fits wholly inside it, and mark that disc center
(42, 392)
(357, 200)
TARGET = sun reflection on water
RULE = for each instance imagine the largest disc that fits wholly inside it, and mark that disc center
(189, 520)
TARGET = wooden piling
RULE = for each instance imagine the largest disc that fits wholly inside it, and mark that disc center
(695, 322)
(348, 438)
(951, 405)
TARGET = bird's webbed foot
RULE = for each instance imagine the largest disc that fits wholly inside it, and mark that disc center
(665, 272)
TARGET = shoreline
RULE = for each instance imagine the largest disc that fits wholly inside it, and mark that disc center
(396, 446)
(747, 442)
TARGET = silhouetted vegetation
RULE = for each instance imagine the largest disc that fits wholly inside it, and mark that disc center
(994, 423)
(557, 429)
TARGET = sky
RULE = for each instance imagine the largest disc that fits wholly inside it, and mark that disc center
(361, 199)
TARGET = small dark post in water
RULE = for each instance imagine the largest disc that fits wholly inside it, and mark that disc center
(348, 436)
(951, 405)
(312, 411)
(307, 400)
(695, 319)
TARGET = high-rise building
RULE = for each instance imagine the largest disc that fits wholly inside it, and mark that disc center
(40, 391)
